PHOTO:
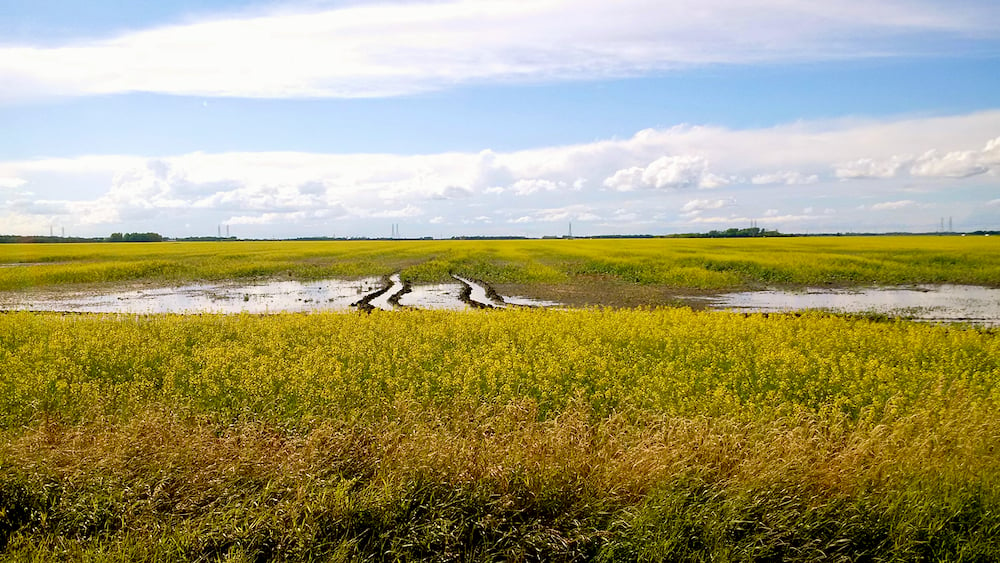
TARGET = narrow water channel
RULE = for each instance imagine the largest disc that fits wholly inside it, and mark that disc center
(382, 301)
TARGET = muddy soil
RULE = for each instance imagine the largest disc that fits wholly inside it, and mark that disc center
(601, 291)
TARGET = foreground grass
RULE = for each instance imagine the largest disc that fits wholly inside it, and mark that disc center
(699, 264)
(516, 435)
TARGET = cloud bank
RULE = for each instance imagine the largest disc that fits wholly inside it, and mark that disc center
(396, 48)
(657, 181)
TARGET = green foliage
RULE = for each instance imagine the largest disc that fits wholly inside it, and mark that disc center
(135, 237)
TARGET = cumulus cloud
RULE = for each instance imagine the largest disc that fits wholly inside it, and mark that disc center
(643, 180)
(955, 164)
(931, 163)
(666, 172)
(391, 48)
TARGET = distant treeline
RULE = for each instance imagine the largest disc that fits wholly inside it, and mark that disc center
(135, 237)
(736, 233)
(31, 239)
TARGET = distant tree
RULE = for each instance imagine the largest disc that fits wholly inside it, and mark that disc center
(135, 237)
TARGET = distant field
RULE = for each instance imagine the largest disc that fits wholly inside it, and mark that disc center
(681, 264)
(609, 434)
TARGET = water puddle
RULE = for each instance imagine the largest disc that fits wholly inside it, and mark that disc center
(270, 297)
(520, 301)
(437, 296)
(932, 303)
(480, 294)
(382, 301)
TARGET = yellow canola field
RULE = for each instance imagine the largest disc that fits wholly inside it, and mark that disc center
(677, 263)
(595, 434)
(292, 368)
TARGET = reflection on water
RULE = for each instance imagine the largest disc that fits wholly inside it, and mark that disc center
(438, 296)
(272, 297)
(382, 301)
(939, 303)
(478, 293)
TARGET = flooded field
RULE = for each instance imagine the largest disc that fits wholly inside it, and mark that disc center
(269, 297)
(933, 303)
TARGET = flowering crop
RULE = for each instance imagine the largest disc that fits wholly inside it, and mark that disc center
(677, 263)
(288, 368)
(519, 434)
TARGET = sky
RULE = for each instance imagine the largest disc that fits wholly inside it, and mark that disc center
(309, 118)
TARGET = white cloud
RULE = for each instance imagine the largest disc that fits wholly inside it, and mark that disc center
(530, 186)
(439, 220)
(625, 180)
(390, 48)
(893, 205)
(577, 212)
(408, 211)
(872, 168)
(640, 180)
(453, 192)
(266, 218)
(675, 172)
(993, 203)
(955, 164)
(666, 172)
(786, 177)
(932, 163)
(696, 206)
(12, 183)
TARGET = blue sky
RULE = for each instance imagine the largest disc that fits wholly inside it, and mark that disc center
(473, 117)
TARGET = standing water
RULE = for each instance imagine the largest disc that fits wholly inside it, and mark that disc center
(934, 303)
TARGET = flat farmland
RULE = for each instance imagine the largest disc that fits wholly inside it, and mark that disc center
(626, 427)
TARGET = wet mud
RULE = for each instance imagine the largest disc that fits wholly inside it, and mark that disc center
(478, 295)
(365, 303)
